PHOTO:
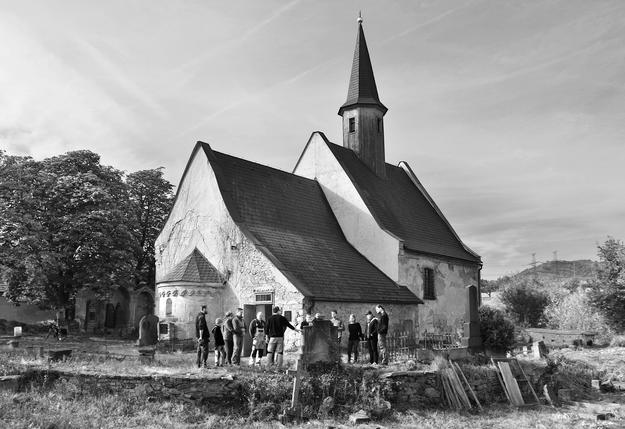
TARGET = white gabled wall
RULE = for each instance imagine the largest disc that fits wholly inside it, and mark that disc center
(201, 219)
(360, 228)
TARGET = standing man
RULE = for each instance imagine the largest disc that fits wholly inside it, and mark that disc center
(382, 331)
(371, 335)
(276, 325)
(257, 332)
(339, 327)
(238, 331)
(202, 334)
(227, 334)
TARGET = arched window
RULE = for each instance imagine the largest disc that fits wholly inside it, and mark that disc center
(168, 307)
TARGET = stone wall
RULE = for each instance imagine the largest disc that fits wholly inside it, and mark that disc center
(405, 389)
(446, 313)
(156, 388)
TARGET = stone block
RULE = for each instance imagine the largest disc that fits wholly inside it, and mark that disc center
(359, 417)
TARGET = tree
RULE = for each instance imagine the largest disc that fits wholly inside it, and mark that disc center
(525, 302)
(608, 291)
(65, 228)
(151, 198)
(496, 331)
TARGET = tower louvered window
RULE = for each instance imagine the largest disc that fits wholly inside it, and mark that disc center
(429, 292)
(352, 125)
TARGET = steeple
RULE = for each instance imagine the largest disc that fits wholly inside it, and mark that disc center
(363, 112)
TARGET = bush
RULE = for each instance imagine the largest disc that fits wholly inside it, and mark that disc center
(496, 331)
(575, 311)
(525, 303)
(618, 341)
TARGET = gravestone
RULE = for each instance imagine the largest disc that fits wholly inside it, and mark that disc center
(320, 342)
(148, 330)
(472, 338)
(539, 349)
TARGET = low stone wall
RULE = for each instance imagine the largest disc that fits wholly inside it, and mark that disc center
(404, 389)
(155, 388)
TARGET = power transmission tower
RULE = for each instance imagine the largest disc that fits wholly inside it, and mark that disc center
(555, 260)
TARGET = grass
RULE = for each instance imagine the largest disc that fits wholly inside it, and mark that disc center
(56, 409)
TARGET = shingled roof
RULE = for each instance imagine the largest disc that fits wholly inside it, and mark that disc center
(402, 209)
(195, 268)
(362, 87)
(289, 220)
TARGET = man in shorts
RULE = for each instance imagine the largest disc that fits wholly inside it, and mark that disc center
(276, 325)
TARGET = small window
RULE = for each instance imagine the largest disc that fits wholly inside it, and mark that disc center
(288, 315)
(379, 125)
(429, 292)
(168, 307)
(352, 125)
(264, 298)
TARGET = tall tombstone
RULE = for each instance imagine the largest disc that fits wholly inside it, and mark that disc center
(472, 338)
(148, 330)
(320, 342)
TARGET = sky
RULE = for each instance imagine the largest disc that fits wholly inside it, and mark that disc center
(511, 113)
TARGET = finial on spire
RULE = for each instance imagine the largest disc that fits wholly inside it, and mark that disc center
(359, 18)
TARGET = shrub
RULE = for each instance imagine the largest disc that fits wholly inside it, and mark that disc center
(575, 311)
(618, 341)
(525, 303)
(496, 331)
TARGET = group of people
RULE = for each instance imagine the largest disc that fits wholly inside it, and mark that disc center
(228, 336)
(376, 329)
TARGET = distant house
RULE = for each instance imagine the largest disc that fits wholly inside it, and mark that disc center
(345, 230)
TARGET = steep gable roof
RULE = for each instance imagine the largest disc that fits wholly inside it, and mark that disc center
(362, 88)
(195, 268)
(289, 220)
(402, 208)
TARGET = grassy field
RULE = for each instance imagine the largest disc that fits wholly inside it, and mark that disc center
(58, 407)
(54, 409)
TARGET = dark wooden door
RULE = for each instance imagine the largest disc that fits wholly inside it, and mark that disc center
(249, 313)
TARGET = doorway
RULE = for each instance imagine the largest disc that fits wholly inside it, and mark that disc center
(249, 314)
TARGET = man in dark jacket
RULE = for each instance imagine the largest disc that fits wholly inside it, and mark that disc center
(371, 335)
(382, 331)
(202, 334)
(227, 334)
(276, 325)
(238, 332)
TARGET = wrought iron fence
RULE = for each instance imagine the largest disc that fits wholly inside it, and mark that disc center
(406, 344)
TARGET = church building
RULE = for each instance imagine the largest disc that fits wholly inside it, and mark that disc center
(345, 230)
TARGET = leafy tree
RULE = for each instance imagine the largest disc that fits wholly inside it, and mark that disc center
(525, 302)
(65, 227)
(151, 197)
(496, 331)
(608, 291)
(489, 286)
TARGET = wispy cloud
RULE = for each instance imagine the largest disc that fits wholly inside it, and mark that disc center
(253, 30)
(118, 76)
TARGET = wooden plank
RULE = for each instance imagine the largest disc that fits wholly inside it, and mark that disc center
(457, 385)
(459, 370)
(511, 384)
(528, 383)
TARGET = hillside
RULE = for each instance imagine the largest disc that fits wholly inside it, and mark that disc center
(548, 274)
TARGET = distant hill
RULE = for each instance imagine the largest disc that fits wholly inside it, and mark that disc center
(550, 274)
(583, 269)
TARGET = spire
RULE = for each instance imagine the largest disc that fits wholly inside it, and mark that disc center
(362, 88)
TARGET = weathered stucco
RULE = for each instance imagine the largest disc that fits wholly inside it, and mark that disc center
(446, 313)
(200, 219)
(360, 228)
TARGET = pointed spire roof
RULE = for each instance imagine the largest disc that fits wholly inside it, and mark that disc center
(362, 87)
(195, 268)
